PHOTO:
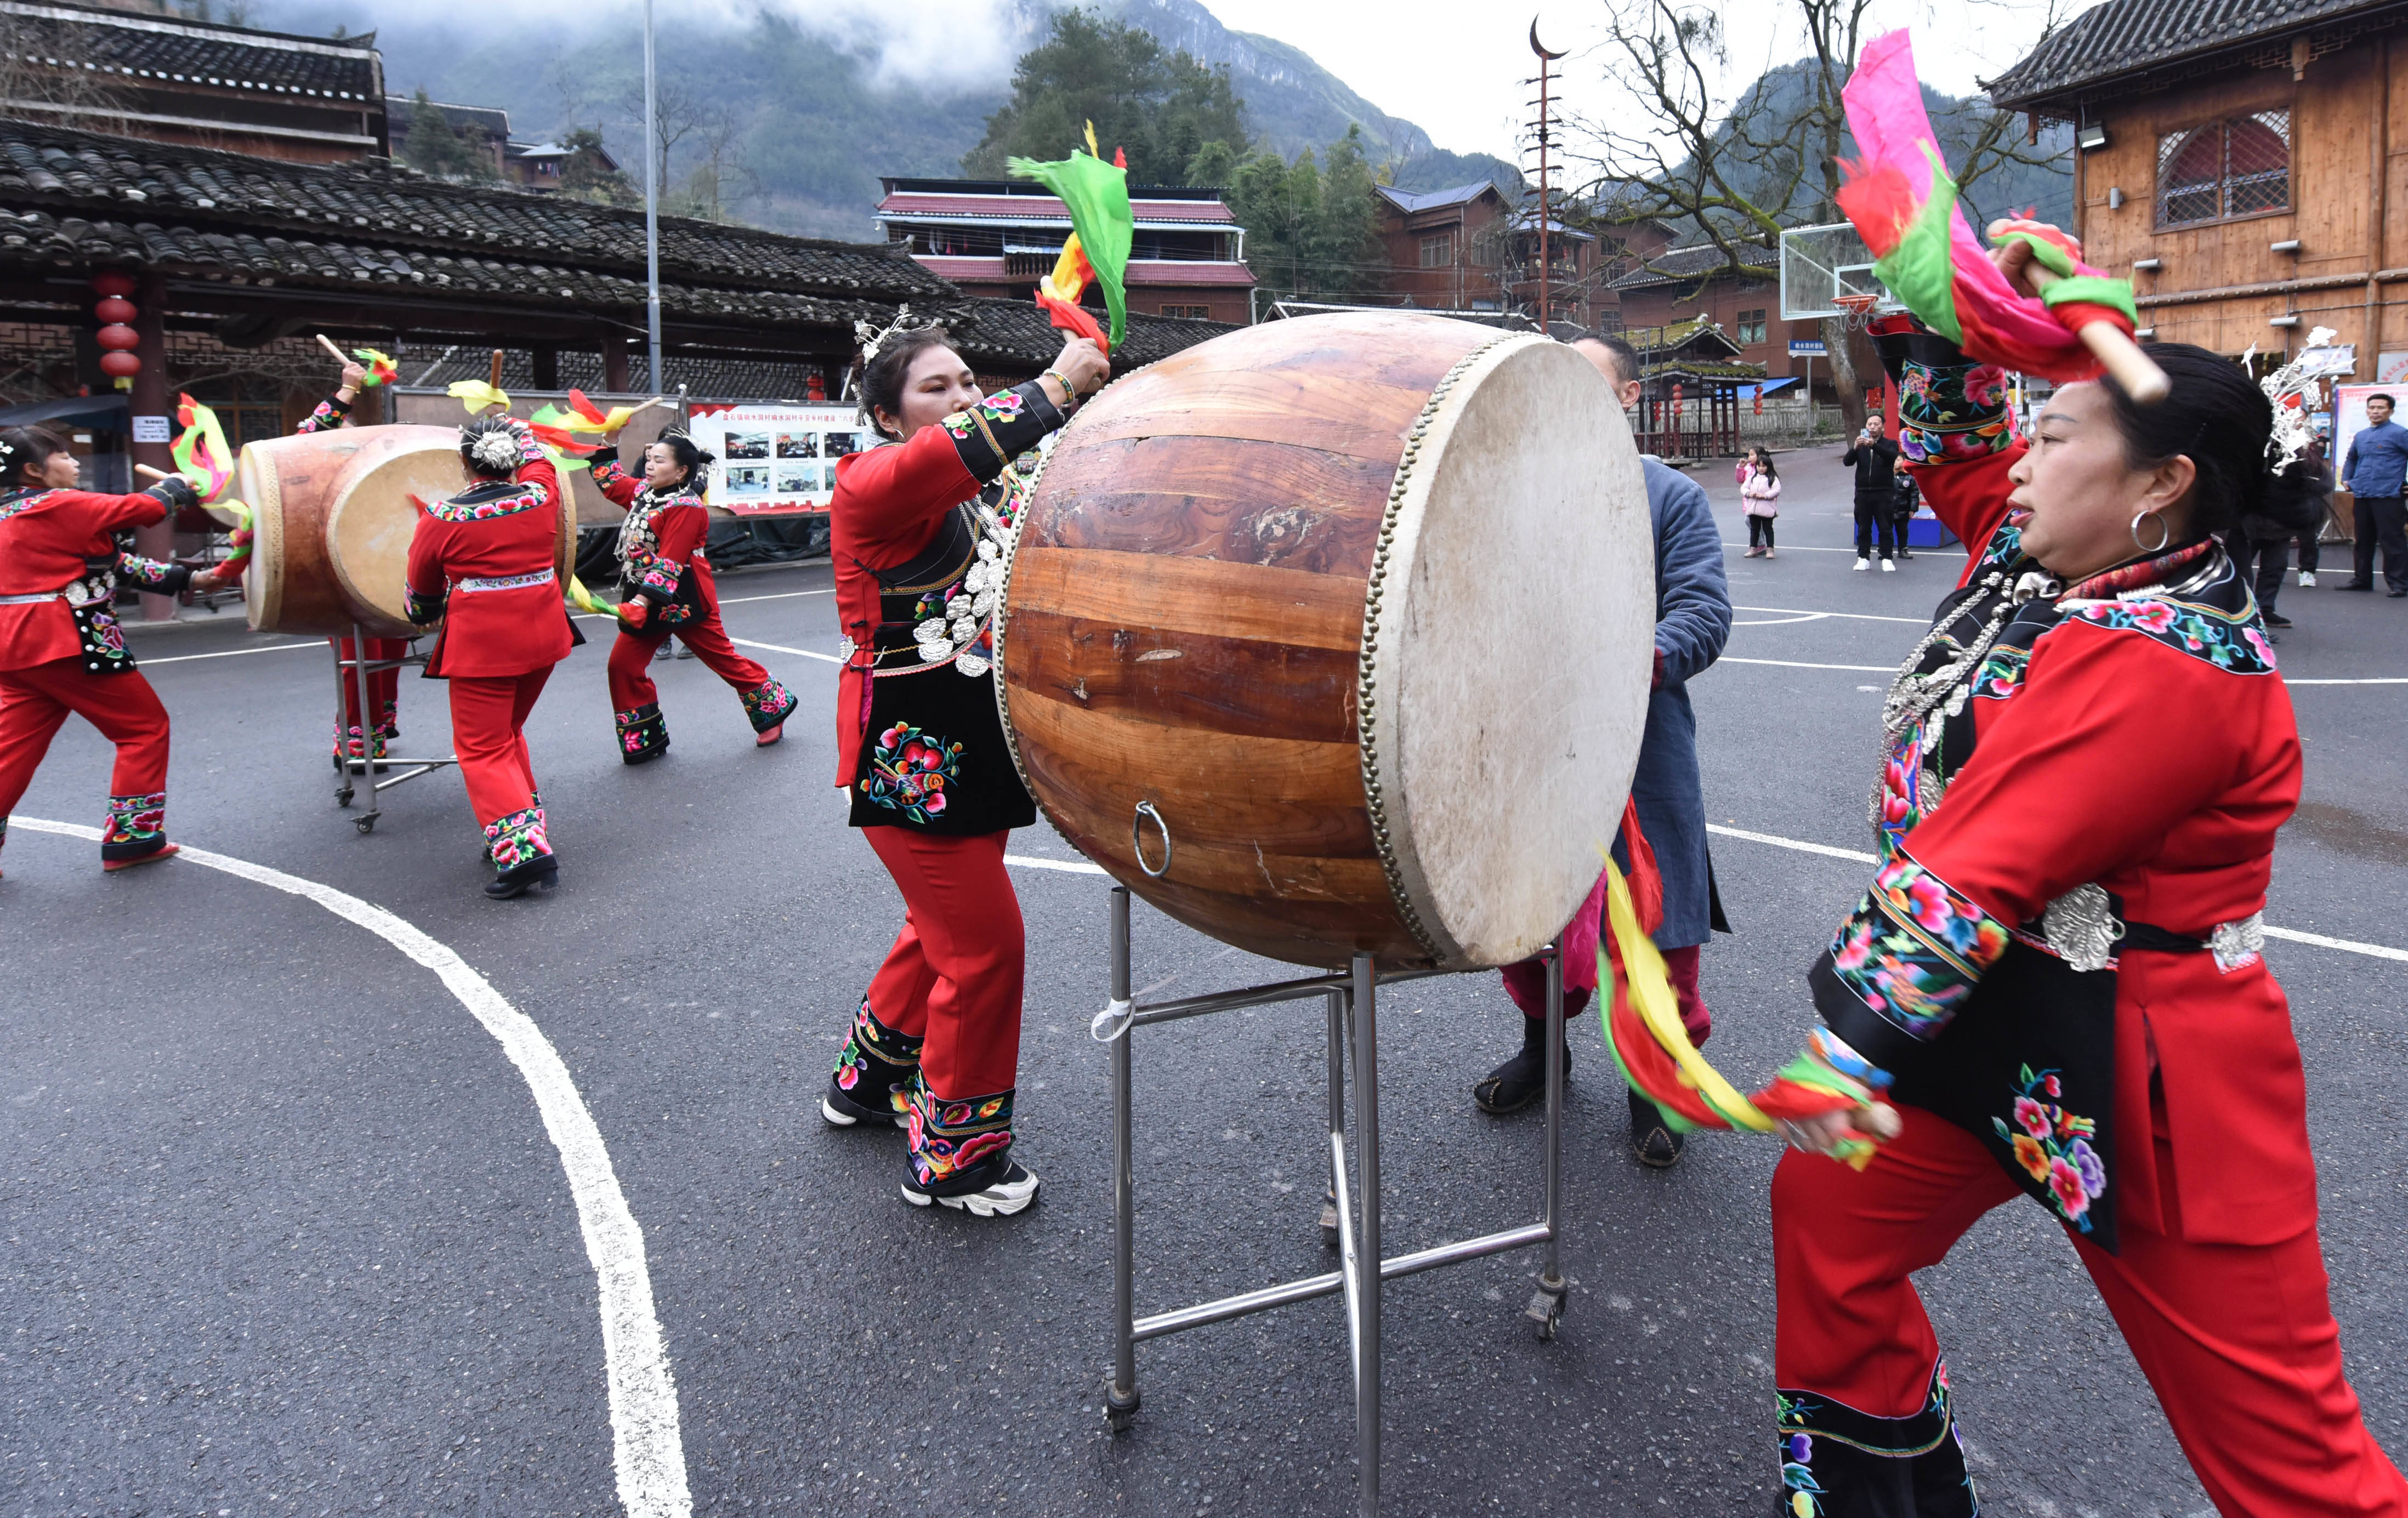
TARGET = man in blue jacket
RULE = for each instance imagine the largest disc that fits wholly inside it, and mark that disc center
(1693, 619)
(2374, 471)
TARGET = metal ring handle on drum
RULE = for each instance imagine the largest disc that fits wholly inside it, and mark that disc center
(1136, 839)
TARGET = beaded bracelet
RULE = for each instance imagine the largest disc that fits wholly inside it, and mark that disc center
(1067, 388)
(1846, 1060)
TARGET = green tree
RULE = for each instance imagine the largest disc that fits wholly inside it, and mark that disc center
(1310, 228)
(434, 147)
(1162, 109)
(586, 172)
(1215, 164)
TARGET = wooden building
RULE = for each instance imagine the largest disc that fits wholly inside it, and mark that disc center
(997, 238)
(2246, 164)
(1691, 373)
(486, 129)
(1472, 249)
(196, 83)
(1680, 286)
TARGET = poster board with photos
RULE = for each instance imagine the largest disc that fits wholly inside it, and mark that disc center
(776, 458)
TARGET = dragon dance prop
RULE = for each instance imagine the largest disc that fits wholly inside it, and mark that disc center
(1903, 202)
(1103, 229)
(1642, 1022)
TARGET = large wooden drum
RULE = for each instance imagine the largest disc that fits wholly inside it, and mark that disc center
(1333, 636)
(334, 517)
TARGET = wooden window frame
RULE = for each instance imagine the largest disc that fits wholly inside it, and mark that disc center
(2223, 121)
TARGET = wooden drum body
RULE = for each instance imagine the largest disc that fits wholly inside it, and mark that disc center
(1363, 606)
(333, 516)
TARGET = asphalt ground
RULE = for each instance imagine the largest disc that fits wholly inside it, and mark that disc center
(284, 1230)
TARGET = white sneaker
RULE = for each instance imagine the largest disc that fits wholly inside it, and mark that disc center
(2308, 578)
(1888, 569)
(1864, 564)
(1008, 1192)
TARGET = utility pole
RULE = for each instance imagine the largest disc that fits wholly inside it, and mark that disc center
(652, 208)
(1546, 71)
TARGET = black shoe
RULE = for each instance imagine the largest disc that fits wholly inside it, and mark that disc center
(993, 1187)
(2396, 594)
(1522, 1079)
(2274, 620)
(535, 875)
(2354, 585)
(1652, 1140)
(646, 757)
(842, 1110)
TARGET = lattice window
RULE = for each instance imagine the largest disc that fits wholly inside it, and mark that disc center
(1437, 251)
(2237, 167)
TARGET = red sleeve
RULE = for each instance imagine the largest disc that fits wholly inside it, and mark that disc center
(425, 578)
(1969, 496)
(2063, 788)
(897, 491)
(681, 529)
(108, 513)
(537, 470)
(616, 484)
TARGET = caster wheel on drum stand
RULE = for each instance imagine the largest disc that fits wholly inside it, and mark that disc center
(1330, 1220)
(365, 825)
(1119, 1411)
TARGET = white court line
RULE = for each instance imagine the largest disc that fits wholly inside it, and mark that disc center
(780, 648)
(1795, 664)
(648, 1447)
(2350, 946)
(1073, 867)
(1846, 616)
(1796, 548)
(228, 653)
(2388, 681)
(1779, 622)
(781, 596)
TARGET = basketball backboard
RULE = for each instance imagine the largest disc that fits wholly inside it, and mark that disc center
(1821, 263)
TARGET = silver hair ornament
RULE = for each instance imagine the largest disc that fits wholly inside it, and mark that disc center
(496, 451)
(2293, 431)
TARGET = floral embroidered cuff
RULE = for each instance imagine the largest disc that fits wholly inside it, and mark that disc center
(152, 576)
(330, 413)
(422, 610)
(1904, 962)
(1001, 427)
(1950, 408)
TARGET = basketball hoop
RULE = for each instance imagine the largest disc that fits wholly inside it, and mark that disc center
(1854, 309)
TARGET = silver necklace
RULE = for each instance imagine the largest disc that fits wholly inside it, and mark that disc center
(1914, 696)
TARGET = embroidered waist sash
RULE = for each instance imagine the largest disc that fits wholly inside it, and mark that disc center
(503, 582)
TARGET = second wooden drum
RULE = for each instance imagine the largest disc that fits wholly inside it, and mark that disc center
(1333, 636)
(333, 516)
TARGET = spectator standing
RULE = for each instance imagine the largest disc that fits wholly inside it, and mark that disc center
(1874, 458)
(1759, 494)
(1906, 499)
(2373, 471)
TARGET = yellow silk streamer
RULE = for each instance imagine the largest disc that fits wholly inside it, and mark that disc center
(583, 600)
(1651, 993)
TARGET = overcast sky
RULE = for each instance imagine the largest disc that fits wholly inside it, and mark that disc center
(1456, 70)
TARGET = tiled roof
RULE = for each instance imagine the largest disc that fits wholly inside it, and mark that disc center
(1036, 210)
(399, 108)
(137, 47)
(1015, 333)
(1430, 200)
(65, 192)
(2125, 37)
(1676, 265)
(1699, 337)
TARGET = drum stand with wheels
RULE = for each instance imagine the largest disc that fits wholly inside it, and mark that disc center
(358, 670)
(1351, 1215)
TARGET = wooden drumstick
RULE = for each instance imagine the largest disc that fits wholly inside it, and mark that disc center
(495, 379)
(2111, 345)
(147, 472)
(328, 344)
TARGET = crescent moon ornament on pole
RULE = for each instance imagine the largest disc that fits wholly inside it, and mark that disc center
(1536, 46)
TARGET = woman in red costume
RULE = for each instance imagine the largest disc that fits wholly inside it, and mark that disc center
(665, 587)
(357, 737)
(62, 551)
(2055, 976)
(485, 561)
(917, 534)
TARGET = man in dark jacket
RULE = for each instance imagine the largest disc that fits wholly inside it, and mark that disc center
(1874, 458)
(1693, 619)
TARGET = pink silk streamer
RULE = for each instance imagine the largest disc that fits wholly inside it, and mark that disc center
(1885, 114)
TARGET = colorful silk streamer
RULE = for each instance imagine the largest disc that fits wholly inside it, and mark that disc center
(1904, 203)
(585, 600)
(379, 366)
(1104, 228)
(584, 416)
(478, 396)
(1641, 1025)
(200, 450)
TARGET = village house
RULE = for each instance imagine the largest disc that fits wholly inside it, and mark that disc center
(1675, 287)
(529, 166)
(997, 238)
(1471, 248)
(2246, 165)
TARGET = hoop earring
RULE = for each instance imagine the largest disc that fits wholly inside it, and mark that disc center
(2165, 533)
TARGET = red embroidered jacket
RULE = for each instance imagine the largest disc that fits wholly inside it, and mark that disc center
(2144, 744)
(485, 561)
(45, 538)
(661, 546)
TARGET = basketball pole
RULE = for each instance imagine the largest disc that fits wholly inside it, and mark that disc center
(651, 209)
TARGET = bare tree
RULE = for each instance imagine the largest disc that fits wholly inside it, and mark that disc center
(1740, 171)
(35, 83)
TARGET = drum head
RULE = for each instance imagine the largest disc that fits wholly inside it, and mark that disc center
(1508, 640)
(369, 526)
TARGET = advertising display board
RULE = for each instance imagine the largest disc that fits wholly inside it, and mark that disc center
(776, 458)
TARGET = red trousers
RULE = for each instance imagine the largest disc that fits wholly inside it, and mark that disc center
(2238, 1340)
(631, 656)
(488, 715)
(384, 687)
(954, 976)
(35, 702)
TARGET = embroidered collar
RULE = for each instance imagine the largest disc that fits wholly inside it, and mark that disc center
(15, 501)
(2157, 569)
(497, 499)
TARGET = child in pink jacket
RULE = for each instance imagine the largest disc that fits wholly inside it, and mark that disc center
(1760, 492)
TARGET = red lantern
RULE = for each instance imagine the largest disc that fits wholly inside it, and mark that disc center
(119, 366)
(118, 285)
(120, 336)
(115, 310)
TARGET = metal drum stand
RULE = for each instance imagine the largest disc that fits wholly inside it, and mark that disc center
(359, 669)
(1351, 1216)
